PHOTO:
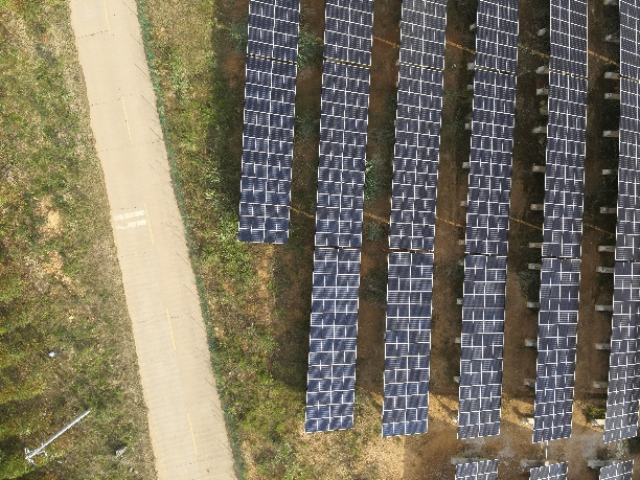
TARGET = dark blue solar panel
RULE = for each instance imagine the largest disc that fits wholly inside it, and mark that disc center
(422, 33)
(416, 156)
(629, 38)
(343, 141)
(482, 346)
(348, 31)
(568, 33)
(564, 198)
(617, 471)
(555, 471)
(273, 29)
(557, 339)
(483, 470)
(621, 420)
(497, 35)
(267, 154)
(332, 348)
(628, 230)
(490, 163)
(407, 344)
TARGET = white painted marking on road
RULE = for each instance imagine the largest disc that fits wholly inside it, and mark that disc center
(193, 438)
(127, 216)
(106, 15)
(126, 118)
(173, 339)
(138, 223)
(146, 212)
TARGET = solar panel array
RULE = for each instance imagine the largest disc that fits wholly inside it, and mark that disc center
(490, 163)
(482, 346)
(269, 116)
(341, 169)
(497, 35)
(416, 156)
(557, 339)
(569, 37)
(564, 192)
(554, 471)
(617, 471)
(332, 352)
(348, 31)
(407, 343)
(628, 229)
(343, 143)
(413, 217)
(621, 420)
(629, 39)
(482, 470)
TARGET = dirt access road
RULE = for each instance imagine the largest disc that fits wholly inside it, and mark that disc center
(186, 422)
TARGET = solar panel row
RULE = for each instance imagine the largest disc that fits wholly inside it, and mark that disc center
(497, 35)
(490, 163)
(348, 31)
(617, 471)
(569, 37)
(332, 350)
(629, 39)
(621, 421)
(407, 343)
(554, 471)
(482, 470)
(566, 133)
(422, 33)
(269, 113)
(482, 346)
(557, 339)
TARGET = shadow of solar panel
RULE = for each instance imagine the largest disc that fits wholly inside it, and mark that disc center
(490, 163)
(407, 344)
(623, 391)
(422, 33)
(557, 340)
(273, 29)
(416, 156)
(483, 470)
(348, 31)
(555, 471)
(482, 346)
(564, 179)
(628, 228)
(267, 151)
(629, 38)
(568, 35)
(332, 341)
(343, 141)
(617, 471)
(497, 35)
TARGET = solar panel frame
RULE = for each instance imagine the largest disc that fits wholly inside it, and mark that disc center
(407, 344)
(348, 31)
(488, 200)
(342, 158)
(267, 156)
(482, 346)
(422, 33)
(617, 471)
(569, 37)
(481, 470)
(497, 35)
(565, 160)
(332, 340)
(557, 340)
(554, 471)
(629, 39)
(628, 226)
(416, 158)
(623, 391)
(273, 28)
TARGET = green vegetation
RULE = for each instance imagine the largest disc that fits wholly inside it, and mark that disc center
(592, 412)
(65, 336)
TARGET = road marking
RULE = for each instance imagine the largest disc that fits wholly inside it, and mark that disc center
(127, 216)
(126, 118)
(106, 15)
(193, 438)
(146, 212)
(138, 223)
(173, 339)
